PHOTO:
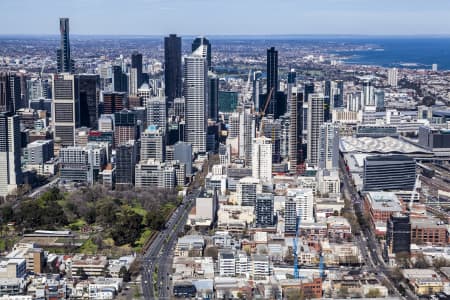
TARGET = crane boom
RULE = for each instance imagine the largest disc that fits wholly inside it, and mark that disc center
(297, 226)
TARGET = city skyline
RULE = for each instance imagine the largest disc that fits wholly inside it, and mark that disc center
(159, 17)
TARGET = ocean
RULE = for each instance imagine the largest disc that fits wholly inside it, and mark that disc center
(406, 52)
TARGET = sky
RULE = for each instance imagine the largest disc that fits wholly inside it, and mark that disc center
(227, 17)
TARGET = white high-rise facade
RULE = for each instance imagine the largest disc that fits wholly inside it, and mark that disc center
(315, 120)
(64, 109)
(10, 151)
(304, 199)
(196, 97)
(393, 77)
(262, 159)
(157, 112)
(329, 146)
(246, 134)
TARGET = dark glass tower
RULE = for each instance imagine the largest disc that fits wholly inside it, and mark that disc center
(203, 41)
(272, 78)
(213, 105)
(88, 86)
(120, 79)
(136, 63)
(6, 104)
(172, 67)
(65, 63)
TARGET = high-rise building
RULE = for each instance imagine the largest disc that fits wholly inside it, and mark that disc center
(183, 153)
(6, 104)
(393, 77)
(157, 113)
(202, 41)
(257, 89)
(389, 172)
(119, 79)
(172, 67)
(10, 151)
(65, 108)
(272, 78)
(213, 103)
(315, 120)
(246, 190)
(16, 92)
(196, 97)
(88, 92)
(153, 144)
(136, 63)
(368, 93)
(125, 126)
(304, 199)
(64, 60)
(262, 159)
(247, 131)
(398, 234)
(328, 146)
(264, 210)
(126, 155)
(295, 131)
(114, 102)
(133, 82)
(272, 129)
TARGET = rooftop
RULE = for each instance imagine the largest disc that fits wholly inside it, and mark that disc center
(377, 145)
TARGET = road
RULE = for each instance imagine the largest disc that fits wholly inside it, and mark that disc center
(369, 246)
(158, 258)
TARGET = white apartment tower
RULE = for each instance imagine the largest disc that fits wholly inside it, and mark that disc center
(196, 97)
(393, 77)
(262, 159)
(315, 120)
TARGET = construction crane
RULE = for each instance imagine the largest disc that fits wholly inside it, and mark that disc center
(297, 227)
(262, 113)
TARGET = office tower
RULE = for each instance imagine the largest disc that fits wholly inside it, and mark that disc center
(136, 63)
(272, 78)
(133, 82)
(157, 113)
(213, 103)
(368, 95)
(38, 152)
(88, 89)
(398, 234)
(389, 172)
(202, 41)
(119, 79)
(257, 89)
(264, 210)
(304, 199)
(290, 216)
(327, 102)
(328, 146)
(262, 159)
(16, 92)
(106, 123)
(379, 99)
(73, 164)
(272, 129)
(114, 102)
(295, 131)
(153, 144)
(315, 120)
(247, 133)
(393, 77)
(37, 88)
(125, 126)
(178, 108)
(246, 190)
(154, 174)
(6, 104)
(126, 155)
(308, 90)
(144, 93)
(196, 96)
(10, 151)
(284, 144)
(339, 97)
(291, 82)
(172, 67)
(65, 109)
(183, 153)
(64, 60)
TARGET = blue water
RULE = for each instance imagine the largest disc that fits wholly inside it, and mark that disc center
(401, 52)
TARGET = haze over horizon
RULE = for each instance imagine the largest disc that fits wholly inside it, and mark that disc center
(232, 17)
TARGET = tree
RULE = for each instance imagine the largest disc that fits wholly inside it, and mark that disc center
(128, 227)
(6, 213)
(373, 293)
(124, 274)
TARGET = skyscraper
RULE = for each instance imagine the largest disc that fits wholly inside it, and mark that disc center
(114, 102)
(393, 77)
(264, 210)
(119, 79)
(65, 108)
(125, 126)
(368, 93)
(315, 120)
(328, 146)
(6, 104)
(153, 144)
(136, 63)
(262, 159)
(295, 130)
(247, 131)
(172, 67)
(272, 78)
(126, 154)
(157, 113)
(64, 61)
(196, 96)
(199, 41)
(88, 89)
(213, 103)
(10, 151)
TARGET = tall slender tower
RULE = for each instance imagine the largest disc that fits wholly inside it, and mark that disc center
(295, 130)
(172, 67)
(272, 78)
(205, 42)
(315, 120)
(65, 108)
(196, 96)
(65, 63)
(10, 153)
(136, 63)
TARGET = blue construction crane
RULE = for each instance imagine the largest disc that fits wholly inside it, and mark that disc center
(297, 226)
